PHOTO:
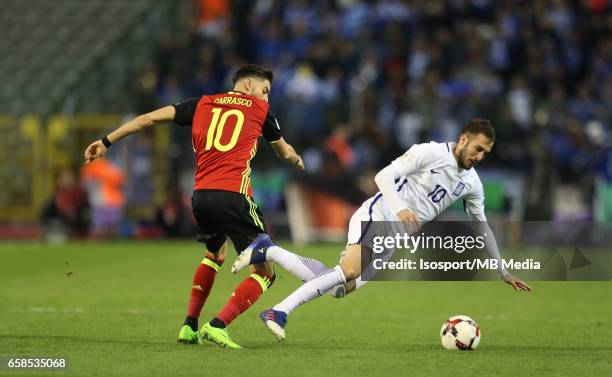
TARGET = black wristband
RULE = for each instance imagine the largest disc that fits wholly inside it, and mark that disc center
(106, 142)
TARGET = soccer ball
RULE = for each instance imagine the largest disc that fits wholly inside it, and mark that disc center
(460, 333)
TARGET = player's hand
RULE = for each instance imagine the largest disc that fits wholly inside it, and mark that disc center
(95, 150)
(410, 220)
(516, 283)
(299, 163)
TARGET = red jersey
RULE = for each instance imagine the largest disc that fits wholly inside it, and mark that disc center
(224, 129)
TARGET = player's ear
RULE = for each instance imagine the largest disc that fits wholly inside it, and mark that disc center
(248, 85)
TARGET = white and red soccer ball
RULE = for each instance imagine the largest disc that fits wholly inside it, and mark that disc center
(460, 333)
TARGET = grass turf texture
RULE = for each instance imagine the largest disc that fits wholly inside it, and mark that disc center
(116, 309)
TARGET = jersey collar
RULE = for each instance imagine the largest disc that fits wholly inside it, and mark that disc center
(237, 92)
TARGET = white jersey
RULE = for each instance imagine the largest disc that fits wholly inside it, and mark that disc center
(426, 180)
(429, 182)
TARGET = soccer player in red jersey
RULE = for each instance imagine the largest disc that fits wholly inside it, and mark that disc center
(225, 128)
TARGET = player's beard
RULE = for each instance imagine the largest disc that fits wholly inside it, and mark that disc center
(463, 158)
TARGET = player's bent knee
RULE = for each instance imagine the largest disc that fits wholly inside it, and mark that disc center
(351, 263)
(217, 258)
(351, 271)
(216, 244)
(352, 274)
(219, 255)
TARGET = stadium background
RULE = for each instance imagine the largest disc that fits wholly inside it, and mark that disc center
(356, 83)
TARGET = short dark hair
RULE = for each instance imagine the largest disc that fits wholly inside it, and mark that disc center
(252, 70)
(479, 126)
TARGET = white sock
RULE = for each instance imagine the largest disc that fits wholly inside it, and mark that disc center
(312, 289)
(301, 267)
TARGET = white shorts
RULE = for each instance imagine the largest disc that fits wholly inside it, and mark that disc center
(373, 209)
(366, 213)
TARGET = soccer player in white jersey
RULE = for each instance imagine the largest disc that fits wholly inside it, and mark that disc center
(430, 178)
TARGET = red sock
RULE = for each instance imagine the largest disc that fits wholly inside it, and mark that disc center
(244, 296)
(202, 283)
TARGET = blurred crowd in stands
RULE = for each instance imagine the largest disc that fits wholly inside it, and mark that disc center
(357, 82)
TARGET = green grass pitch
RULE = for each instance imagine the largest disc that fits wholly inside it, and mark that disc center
(116, 308)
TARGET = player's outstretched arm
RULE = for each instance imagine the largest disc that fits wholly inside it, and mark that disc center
(482, 227)
(98, 148)
(474, 207)
(287, 153)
